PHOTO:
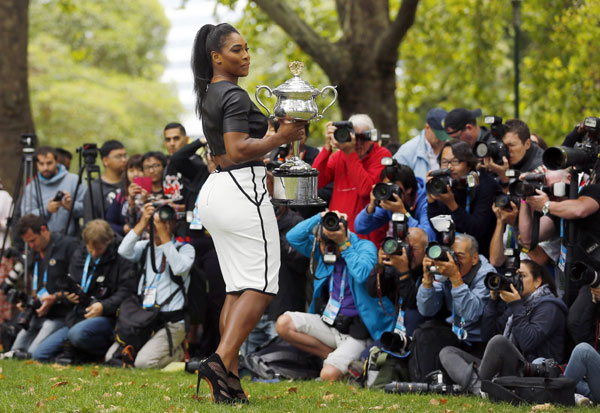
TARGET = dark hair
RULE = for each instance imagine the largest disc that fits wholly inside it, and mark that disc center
(110, 146)
(45, 150)
(209, 38)
(174, 125)
(63, 152)
(519, 127)
(462, 151)
(402, 173)
(540, 141)
(539, 271)
(135, 161)
(158, 155)
(30, 222)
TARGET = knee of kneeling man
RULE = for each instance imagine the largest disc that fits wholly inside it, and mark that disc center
(284, 324)
(144, 363)
(330, 373)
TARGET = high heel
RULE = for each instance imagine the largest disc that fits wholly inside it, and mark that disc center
(213, 371)
(235, 389)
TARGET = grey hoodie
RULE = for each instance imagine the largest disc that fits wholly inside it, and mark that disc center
(62, 181)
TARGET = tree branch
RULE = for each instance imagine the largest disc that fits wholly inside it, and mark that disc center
(395, 33)
(319, 48)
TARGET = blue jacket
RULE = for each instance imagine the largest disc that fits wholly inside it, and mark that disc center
(538, 334)
(360, 258)
(365, 222)
(414, 154)
(468, 300)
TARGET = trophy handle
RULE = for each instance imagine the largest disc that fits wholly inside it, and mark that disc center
(258, 88)
(335, 95)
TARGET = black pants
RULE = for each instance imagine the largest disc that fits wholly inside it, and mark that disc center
(501, 357)
(583, 317)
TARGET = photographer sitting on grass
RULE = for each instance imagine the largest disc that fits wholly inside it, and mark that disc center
(343, 318)
(172, 260)
(101, 280)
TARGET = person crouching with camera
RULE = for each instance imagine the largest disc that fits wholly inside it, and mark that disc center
(43, 312)
(100, 281)
(164, 280)
(456, 279)
(342, 317)
(524, 320)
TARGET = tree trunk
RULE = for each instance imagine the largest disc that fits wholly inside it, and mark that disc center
(15, 110)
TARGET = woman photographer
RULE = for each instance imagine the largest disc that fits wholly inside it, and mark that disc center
(525, 325)
(122, 215)
(233, 203)
(470, 208)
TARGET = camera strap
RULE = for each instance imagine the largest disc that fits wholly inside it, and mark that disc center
(85, 282)
(459, 330)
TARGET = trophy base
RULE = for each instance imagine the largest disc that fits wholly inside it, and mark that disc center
(296, 186)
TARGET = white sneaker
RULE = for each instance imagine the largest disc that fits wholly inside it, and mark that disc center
(582, 401)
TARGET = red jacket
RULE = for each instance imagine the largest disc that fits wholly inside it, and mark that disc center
(353, 181)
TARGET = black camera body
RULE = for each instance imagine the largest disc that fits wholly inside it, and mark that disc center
(582, 155)
(331, 221)
(28, 140)
(89, 152)
(164, 211)
(59, 196)
(395, 342)
(503, 200)
(548, 368)
(502, 281)
(437, 185)
(385, 191)
(344, 131)
(493, 146)
(438, 252)
(528, 185)
(397, 242)
(585, 274)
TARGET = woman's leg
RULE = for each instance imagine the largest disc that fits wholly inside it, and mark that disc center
(500, 357)
(240, 315)
(459, 365)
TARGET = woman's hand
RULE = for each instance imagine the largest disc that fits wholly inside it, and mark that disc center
(510, 296)
(290, 131)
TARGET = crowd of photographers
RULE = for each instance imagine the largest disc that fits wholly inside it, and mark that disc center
(471, 250)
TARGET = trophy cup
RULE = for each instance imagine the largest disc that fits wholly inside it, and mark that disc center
(295, 180)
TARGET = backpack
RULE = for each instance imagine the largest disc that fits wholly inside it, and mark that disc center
(427, 342)
(517, 390)
(279, 359)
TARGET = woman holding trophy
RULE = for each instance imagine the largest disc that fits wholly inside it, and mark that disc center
(234, 204)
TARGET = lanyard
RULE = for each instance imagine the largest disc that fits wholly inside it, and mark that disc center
(460, 331)
(468, 205)
(510, 241)
(159, 274)
(85, 283)
(342, 286)
(35, 276)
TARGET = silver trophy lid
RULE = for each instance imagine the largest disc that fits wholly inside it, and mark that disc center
(296, 84)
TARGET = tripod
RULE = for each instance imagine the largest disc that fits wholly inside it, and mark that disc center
(87, 161)
(23, 197)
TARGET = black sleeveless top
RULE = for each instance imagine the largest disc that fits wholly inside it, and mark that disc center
(227, 107)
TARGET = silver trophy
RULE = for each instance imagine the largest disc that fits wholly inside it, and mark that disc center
(295, 180)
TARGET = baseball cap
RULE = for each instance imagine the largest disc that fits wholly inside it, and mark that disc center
(458, 118)
(435, 120)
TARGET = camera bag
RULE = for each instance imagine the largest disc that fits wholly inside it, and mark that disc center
(517, 390)
(427, 342)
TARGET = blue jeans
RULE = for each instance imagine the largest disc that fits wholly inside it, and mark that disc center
(584, 368)
(261, 334)
(93, 335)
(39, 329)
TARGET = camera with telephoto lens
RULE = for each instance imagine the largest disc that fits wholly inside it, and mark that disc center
(493, 147)
(343, 132)
(548, 368)
(441, 179)
(385, 191)
(89, 152)
(28, 140)
(331, 222)
(510, 276)
(443, 225)
(582, 155)
(434, 383)
(503, 200)
(395, 342)
(528, 185)
(585, 274)
(164, 210)
(397, 242)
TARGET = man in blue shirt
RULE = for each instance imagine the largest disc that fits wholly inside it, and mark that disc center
(342, 317)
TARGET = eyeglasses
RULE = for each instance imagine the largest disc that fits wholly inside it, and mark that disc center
(444, 163)
(122, 156)
(152, 167)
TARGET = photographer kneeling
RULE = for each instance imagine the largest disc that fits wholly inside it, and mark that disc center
(528, 323)
(163, 283)
(458, 190)
(101, 280)
(397, 276)
(398, 192)
(339, 331)
(461, 274)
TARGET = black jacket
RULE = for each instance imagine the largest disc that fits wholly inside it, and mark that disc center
(531, 160)
(393, 288)
(113, 280)
(57, 260)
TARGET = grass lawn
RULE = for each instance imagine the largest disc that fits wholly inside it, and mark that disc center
(33, 387)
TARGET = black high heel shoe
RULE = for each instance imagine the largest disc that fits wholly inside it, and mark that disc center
(235, 389)
(214, 372)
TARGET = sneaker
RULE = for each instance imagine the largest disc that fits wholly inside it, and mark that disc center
(582, 401)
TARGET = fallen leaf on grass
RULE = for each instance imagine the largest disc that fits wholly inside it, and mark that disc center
(322, 405)
(434, 402)
(107, 395)
(59, 367)
(144, 385)
(53, 378)
(79, 368)
(292, 390)
(328, 396)
(394, 407)
(191, 386)
(60, 383)
(1, 376)
(0, 369)
(118, 384)
(352, 389)
(37, 363)
(545, 406)
(376, 408)
(119, 394)
(131, 383)
(95, 373)
(443, 401)
(52, 398)
(166, 398)
(77, 388)
(39, 404)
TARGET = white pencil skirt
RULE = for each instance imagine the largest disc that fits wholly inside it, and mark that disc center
(235, 207)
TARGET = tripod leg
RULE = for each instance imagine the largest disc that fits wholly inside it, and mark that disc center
(74, 197)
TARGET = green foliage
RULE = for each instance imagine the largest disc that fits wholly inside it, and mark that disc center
(30, 386)
(459, 53)
(94, 72)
